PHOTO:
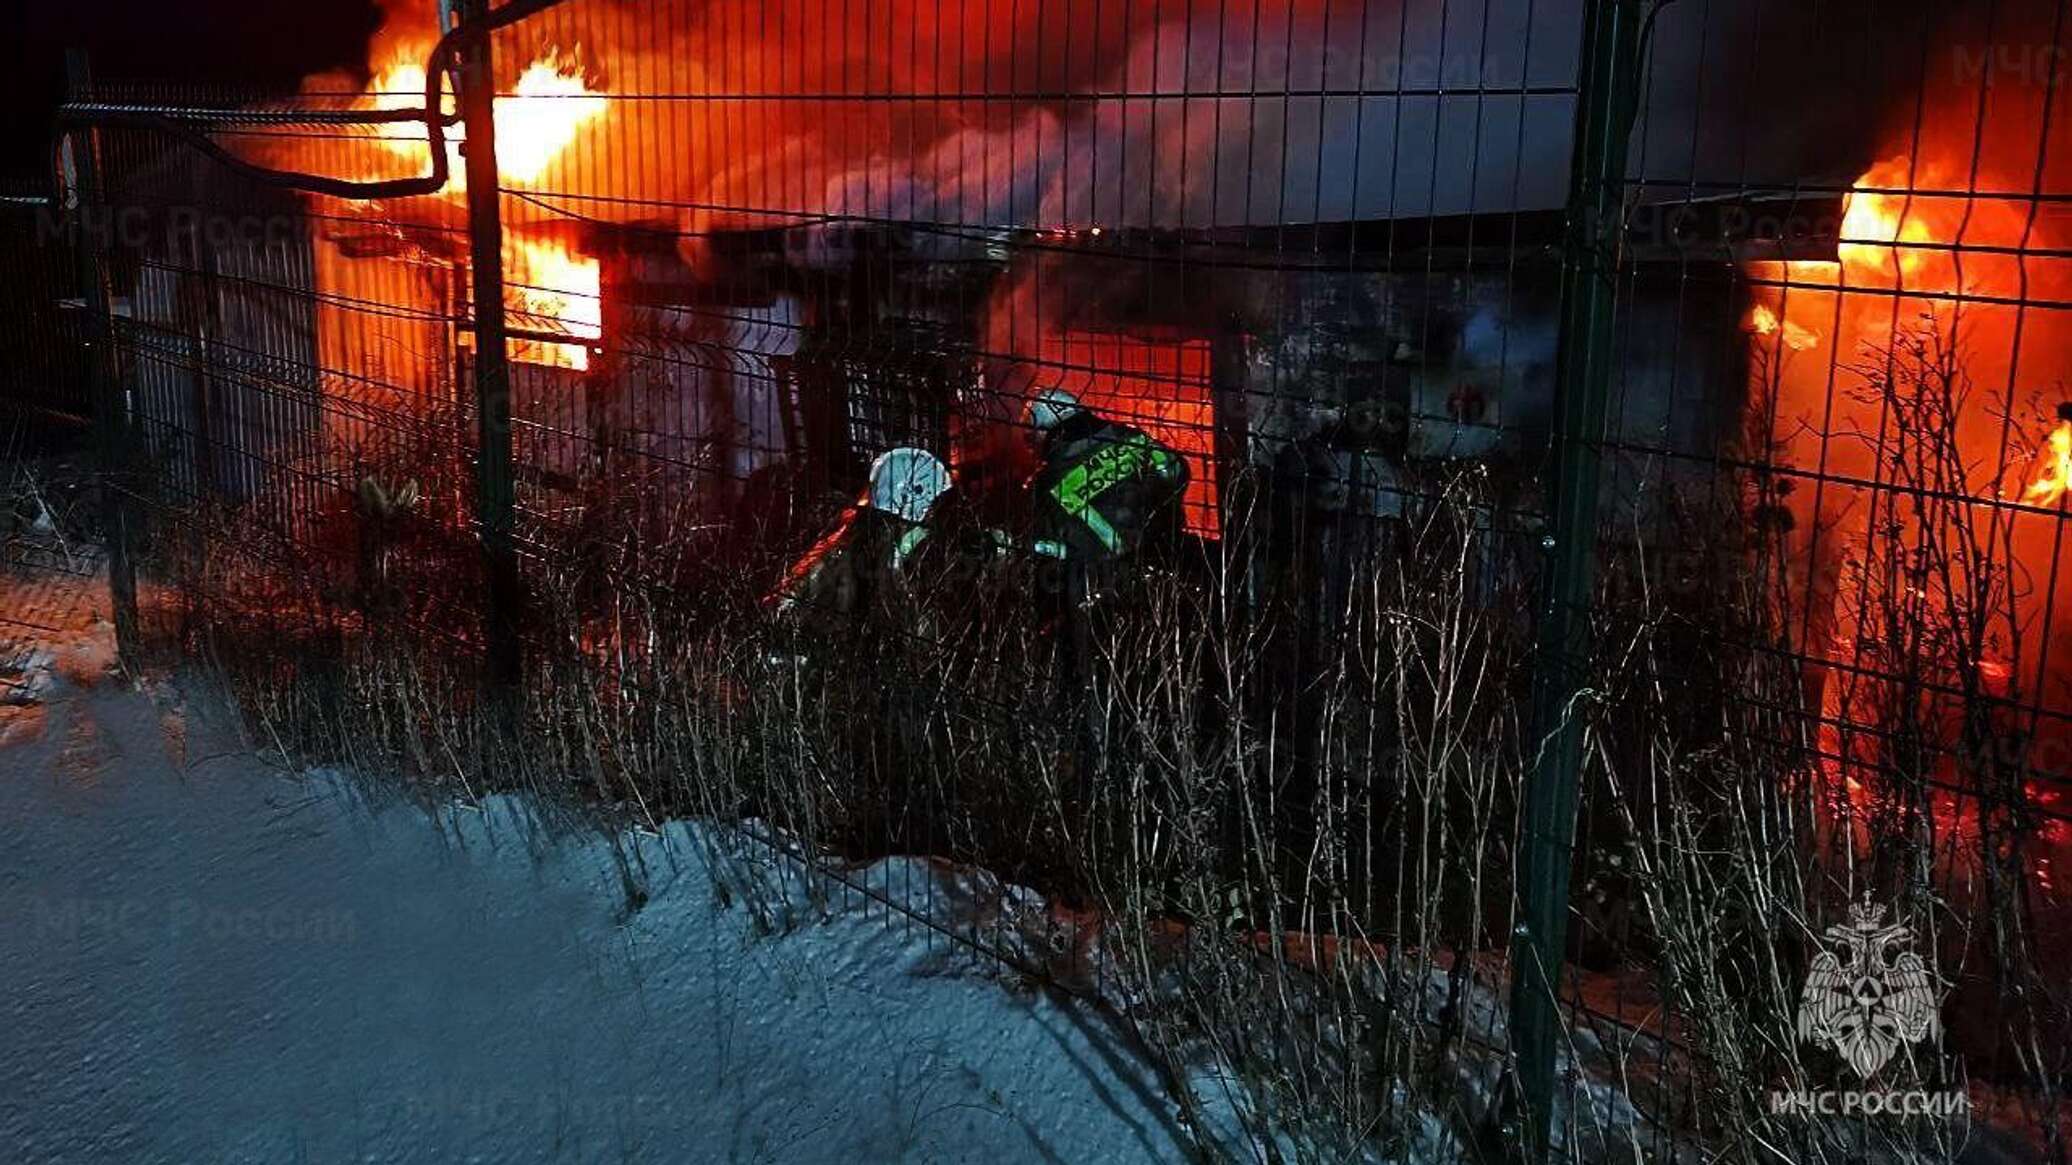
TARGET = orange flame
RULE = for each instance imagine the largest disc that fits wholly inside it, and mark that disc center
(1882, 231)
(2056, 473)
(1889, 237)
(551, 290)
(550, 106)
(401, 86)
(1764, 322)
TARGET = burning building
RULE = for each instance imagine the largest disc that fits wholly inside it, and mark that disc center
(721, 289)
(1317, 250)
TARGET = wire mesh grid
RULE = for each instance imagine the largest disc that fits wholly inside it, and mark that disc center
(1316, 252)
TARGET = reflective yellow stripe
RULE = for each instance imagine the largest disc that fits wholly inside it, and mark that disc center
(1085, 482)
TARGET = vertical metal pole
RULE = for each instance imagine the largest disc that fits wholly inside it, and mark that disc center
(494, 495)
(1237, 493)
(1605, 104)
(111, 408)
(200, 317)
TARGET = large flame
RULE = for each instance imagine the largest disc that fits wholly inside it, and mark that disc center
(552, 290)
(400, 85)
(1882, 236)
(549, 289)
(534, 124)
(1926, 244)
(551, 105)
(1893, 238)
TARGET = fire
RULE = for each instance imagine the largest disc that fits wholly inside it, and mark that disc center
(1764, 322)
(1882, 232)
(550, 106)
(1926, 241)
(551, 290)
(2056, 474)
(1893, 236)
(401, 86)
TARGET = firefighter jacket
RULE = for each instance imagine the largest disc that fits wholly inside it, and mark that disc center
(1106, 490)
(852, 567)
(875, 561)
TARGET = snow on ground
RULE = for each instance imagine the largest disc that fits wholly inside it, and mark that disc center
(207, 960)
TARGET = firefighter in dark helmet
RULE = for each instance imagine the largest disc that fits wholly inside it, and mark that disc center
(1107, 504)
(1105, 495)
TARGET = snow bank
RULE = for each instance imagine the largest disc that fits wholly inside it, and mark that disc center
(210, 961)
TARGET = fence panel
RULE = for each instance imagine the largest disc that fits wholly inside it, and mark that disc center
(1828, 677)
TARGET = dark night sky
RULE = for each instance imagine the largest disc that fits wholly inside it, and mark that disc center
(271, 43)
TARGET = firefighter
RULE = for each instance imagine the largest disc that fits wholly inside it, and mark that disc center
(1107, 504)
(855, 566)
(1105, 494)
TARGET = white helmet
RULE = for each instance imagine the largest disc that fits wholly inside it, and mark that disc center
(906, 481)
(1051, 406)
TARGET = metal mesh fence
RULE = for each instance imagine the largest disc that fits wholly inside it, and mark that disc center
(1794, 396)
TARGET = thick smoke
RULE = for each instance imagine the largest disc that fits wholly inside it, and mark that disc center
(1187, 113)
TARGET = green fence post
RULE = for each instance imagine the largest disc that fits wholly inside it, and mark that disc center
(110, 397)
(494, 494)
(1608, 87)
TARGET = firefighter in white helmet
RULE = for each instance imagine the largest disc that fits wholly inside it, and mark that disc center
(857, 563)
